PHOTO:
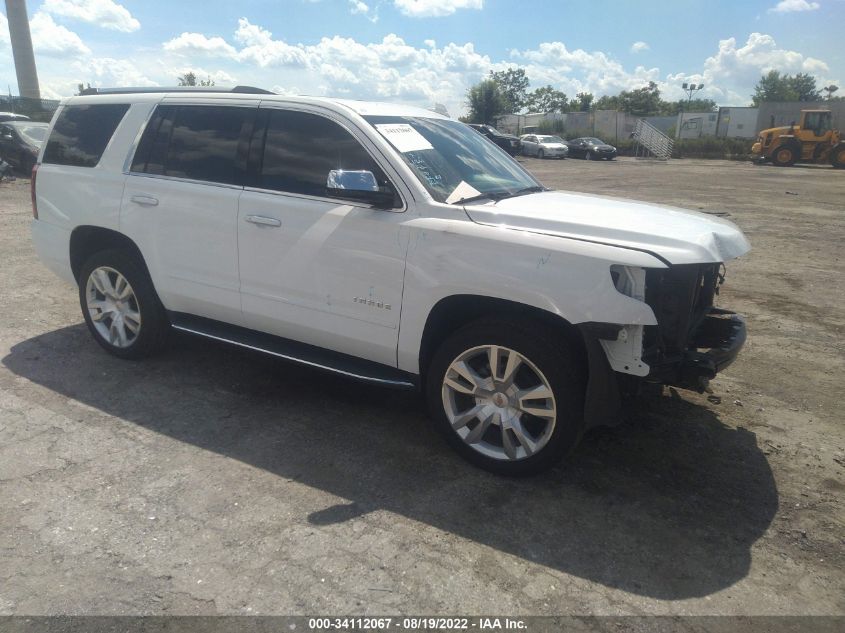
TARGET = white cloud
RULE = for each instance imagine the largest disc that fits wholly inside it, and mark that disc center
(4, 31)
(107, 71)
(197, 43)
(734, 70)
(105, 13)
(435, 8)
(54, 40)
(638, 47)
(791, 6)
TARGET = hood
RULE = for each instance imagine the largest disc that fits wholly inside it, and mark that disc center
(676, 235)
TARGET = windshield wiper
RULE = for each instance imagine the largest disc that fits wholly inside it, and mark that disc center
(527, 190)
(491, 195)
(500, 195)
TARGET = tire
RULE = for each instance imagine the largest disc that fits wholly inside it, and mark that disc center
(588, 156)
(493, 419)
(128, 321)
(541, 154)
(784, 156)
(837, 156)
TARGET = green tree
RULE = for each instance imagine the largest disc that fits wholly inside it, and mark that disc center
(581, 102)
(546, 99)
(805, 88)
(485, 102)
(608, 102)
(776, 87)
(643, 101)
(513, 85)
(671, 108)
(190, 79)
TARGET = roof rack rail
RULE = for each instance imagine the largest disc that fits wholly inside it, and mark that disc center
(152, 89)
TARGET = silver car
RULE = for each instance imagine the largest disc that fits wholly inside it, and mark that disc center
(543, 146)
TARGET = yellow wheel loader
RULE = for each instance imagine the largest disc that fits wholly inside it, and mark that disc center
(812, 141)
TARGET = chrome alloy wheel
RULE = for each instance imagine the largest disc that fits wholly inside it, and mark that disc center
(113, 307)
(499, 402)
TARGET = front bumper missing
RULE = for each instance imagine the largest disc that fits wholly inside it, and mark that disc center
(714, 346)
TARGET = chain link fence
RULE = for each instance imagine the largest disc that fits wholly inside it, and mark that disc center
(35, 109)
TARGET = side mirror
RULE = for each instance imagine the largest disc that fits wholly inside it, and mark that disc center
(358, 185)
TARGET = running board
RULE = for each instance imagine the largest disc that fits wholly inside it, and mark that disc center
(294, 351)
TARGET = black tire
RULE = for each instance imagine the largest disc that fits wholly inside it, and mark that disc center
(154, 326)
(784, 156)
(837, 156)
(541, 154)
(560, 363)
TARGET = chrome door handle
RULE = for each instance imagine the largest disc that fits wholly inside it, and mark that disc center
(263, 220)
(145, 201)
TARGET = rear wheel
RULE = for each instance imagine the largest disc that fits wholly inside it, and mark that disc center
(120, 305)
(507, 396)
(784, 156)
(837, 156)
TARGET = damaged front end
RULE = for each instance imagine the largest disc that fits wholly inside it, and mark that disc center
(693, 340)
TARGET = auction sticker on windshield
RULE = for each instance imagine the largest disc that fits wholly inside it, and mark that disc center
(403, 137)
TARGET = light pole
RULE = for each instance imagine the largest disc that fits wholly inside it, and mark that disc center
(690, 89)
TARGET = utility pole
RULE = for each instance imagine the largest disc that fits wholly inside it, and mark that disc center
(22, 49)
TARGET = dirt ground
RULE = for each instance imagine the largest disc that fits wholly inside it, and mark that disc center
(214, 481)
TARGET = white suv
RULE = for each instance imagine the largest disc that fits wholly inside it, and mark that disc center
(386, 243)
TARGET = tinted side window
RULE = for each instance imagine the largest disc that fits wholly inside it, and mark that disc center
(152, 148)
(204, 143)
(301, 149)
(82, 132)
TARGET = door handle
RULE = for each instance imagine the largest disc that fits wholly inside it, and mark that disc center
(145, 201)
(263, 220)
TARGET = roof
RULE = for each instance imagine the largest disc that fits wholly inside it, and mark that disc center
(181, 93)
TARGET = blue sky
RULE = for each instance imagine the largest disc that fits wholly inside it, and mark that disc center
(426, 51)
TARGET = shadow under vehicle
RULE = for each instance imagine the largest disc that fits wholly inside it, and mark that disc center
(667, 505)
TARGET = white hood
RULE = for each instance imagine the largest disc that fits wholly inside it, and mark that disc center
(677, 235)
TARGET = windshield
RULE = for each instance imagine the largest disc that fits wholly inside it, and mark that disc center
(32, 133)
(596, 141)
(550, 139)
(446, 155)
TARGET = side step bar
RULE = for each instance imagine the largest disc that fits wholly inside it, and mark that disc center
(294, 351)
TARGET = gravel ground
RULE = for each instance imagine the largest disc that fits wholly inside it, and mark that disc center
(213, 481)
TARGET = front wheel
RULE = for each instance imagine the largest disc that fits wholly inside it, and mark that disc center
(120, 305)
(507, 396)
(784, 156)
(837, 158)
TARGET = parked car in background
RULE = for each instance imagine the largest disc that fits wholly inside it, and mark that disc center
(591, 148)
(543, 146)
(20, 142)
(11, 116)
(511, 144)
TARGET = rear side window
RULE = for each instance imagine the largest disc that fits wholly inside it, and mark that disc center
(195, 142)
(81, 133)
(301, 149)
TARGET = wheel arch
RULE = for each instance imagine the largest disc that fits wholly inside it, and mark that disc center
(451, 313)
(602, 397)
(86, 240)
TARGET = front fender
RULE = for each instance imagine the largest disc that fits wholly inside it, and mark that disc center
(566, 277)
